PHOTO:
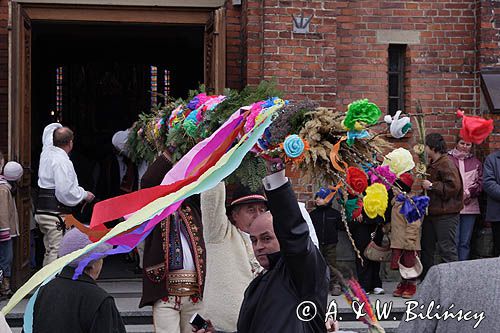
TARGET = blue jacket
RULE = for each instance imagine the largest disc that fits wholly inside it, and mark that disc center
(491, 186)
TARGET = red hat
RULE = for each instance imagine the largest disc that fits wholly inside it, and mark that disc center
(407, 179)
(474, 129)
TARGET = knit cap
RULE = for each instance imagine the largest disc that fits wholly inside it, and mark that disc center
(322, 193)
(12, 171)
(75, 240)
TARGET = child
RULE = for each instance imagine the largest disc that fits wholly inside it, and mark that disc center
(405, 240)
(326, 221)
(9, 225)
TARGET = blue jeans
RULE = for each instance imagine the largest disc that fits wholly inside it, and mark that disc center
(6, 256)
(464, 234)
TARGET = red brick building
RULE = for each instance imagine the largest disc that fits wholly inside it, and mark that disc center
(444, 53)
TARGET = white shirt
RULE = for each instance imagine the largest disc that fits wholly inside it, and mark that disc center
(56, 171)
(187, 256)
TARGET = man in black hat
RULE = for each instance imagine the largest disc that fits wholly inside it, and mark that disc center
(231, 264)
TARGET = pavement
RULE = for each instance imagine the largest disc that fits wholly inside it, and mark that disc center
(128, 292)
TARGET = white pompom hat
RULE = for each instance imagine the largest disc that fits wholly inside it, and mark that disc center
(12, 171)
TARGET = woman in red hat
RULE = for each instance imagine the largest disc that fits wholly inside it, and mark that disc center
(471, 171)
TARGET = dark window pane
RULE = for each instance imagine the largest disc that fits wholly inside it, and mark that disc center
(393, 60)
(393, 106)
(393, 85)
(395, 78)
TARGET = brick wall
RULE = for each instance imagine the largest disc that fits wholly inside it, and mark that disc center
(440, 70)
(303, 65)
(234, 47)
(4, 63)
(341, 59)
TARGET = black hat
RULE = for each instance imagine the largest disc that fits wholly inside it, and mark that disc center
(243, 195)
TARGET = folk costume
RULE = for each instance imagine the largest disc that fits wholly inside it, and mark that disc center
(231, 261)
(405, 240)
(58, 194)
(174, 261)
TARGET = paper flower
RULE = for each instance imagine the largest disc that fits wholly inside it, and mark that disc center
(375, 201)
(190, 127)
(352, 135)
(419, 149)
(399, 161)
(398, 126)
(293, 146)
(421, 168)
(413, 211)
(385, 172)
(175, 116)
(192, 104)
(254, 112)
(474, 129)
(274, 101)
(202, 98)
(360, 113)
(263, 142)
(356, 179)
(353, 208)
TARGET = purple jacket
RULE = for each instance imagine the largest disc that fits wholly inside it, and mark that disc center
(471, 172)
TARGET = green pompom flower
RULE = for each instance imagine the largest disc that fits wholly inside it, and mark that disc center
(190, 128)
(361, 113)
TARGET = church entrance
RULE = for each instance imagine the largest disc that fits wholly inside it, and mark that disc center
(95, 72)
(97, 79)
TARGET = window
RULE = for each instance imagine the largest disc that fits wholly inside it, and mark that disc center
(166, 90)
(396, 77)
(160, 84)
(154, 85)
(490, 86)
(56, 112)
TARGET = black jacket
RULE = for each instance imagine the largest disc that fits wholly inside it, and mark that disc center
(77, 306)
(297, 273)
(326, 221)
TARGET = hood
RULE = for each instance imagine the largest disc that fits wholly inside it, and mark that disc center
(48, 131)
(119, 141)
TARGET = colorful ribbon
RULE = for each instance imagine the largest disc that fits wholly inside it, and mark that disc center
(207, 180)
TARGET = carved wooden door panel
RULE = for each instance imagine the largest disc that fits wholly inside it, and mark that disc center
(215, 52)
(20, 135)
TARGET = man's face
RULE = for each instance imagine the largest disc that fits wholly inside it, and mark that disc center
(263, 238)
(430, 153)
(243, 215)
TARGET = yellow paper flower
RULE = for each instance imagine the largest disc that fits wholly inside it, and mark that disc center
(419, 149)
(376, 200)
(399, 161)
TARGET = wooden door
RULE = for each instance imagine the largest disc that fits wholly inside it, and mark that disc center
(20, 135)
(215, 52)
